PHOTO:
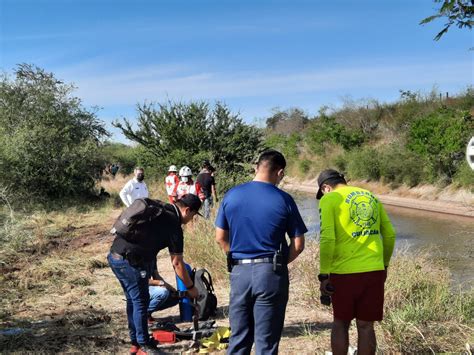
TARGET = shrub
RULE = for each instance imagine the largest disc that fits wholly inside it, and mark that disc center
(465, 176)
(363, 164)
(399, 165)
(305, 165)
(49, 143)
(441, 137)
(340, 162)
(325, 129)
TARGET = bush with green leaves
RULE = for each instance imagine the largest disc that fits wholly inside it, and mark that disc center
(123, 155)
(326, 129)
(441, 138)
(49, 143)
(391, 163)
(186, 134)
(465, 176)
(286, 144)
(305, 165)
(363, 163)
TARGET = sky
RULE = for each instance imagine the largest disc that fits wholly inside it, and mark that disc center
(252, 55)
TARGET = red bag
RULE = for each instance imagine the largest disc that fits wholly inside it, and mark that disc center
(164, 337)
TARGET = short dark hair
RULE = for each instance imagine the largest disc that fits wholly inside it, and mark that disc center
(206, 164)
(273, 159)
(191, 201)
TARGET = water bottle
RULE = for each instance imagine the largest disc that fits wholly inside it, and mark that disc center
(185, 304)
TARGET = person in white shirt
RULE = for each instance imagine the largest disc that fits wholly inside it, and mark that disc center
(134, 188)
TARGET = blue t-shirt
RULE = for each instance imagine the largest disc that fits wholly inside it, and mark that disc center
(257, 216)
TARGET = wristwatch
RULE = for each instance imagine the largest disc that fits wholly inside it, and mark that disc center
(322, 277)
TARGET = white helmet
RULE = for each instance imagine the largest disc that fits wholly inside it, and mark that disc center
(470, 153)
(185, 171)
(172, 168)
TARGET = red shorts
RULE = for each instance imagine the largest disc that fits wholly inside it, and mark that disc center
(358, 295)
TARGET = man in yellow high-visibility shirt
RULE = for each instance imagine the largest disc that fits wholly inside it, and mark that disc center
(356, 244)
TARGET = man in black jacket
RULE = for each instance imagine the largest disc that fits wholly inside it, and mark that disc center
(130, 261)
(208, 186)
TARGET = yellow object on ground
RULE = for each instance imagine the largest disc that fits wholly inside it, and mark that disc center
(214, 342)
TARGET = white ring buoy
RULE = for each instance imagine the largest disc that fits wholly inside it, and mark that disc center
(470, 153)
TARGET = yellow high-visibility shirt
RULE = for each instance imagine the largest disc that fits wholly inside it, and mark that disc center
(356, 233)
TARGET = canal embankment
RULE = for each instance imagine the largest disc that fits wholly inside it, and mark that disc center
(452, 201)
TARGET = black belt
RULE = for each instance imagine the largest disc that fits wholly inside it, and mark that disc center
(252, 261)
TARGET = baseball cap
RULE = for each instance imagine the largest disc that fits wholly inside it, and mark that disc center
(193, 202)
(324, 176)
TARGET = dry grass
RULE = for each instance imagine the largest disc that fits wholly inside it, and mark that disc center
(54, 271)
(201, 249)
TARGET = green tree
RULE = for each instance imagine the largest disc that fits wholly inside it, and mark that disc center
(457, 12)
(49, 143)
(186, 134)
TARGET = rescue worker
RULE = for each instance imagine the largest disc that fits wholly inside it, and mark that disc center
(356, 244)
(130, 262)
(134, 188)
(171, 183)
(187, 185)
(251, 225)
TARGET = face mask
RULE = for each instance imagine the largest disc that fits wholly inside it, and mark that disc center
(184, 179)
(140, 177)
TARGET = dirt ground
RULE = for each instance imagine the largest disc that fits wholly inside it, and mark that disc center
(71, 302)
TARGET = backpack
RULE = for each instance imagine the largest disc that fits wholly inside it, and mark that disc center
(133, 223)
(207, 299)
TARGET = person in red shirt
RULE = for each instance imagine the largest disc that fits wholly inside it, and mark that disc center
(171, 183)
(187, 185)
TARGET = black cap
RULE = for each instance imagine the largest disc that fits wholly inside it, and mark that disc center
(192, 201)
(324, 176)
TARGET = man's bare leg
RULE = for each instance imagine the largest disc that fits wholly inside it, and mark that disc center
(340, 336)
(366, 343)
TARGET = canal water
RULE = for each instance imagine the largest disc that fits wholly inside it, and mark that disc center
(448, 237)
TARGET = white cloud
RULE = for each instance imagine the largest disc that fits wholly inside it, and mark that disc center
(180, 82)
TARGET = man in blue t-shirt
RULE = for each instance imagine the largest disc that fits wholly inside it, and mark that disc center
(251, 225)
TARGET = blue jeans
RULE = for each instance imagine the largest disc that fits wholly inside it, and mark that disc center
(208, 203)
(160, 299)
(258, 298)
(134, 282)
